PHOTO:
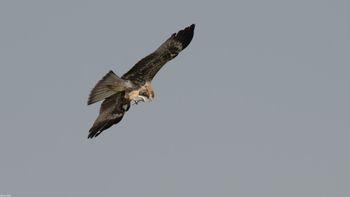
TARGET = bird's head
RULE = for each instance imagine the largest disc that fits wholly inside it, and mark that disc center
(145, 94)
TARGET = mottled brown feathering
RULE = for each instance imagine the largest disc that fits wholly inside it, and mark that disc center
(147, 68)
(135, 85)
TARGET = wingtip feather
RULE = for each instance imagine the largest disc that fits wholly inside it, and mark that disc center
(185, 36)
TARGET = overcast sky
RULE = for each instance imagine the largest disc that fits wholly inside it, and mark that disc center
(257, 105)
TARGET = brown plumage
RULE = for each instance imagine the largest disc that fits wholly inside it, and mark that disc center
(135, 85)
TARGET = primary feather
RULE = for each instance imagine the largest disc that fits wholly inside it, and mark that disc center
(118, 93)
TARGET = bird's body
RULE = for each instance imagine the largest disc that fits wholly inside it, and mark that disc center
(118, 93)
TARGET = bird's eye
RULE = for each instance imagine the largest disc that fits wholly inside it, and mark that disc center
(143, 93)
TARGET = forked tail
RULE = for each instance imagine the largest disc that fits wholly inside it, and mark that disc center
(110, 84)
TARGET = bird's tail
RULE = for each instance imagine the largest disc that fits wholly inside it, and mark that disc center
(110, 84)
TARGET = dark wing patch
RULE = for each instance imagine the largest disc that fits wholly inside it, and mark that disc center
(111, 112)
(148, 67)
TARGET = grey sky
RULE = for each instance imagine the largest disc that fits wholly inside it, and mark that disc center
(257, 105)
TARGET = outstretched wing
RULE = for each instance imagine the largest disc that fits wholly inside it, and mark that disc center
(148, 67)
(112, 111)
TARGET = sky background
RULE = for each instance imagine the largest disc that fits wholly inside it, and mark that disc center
(257, 105)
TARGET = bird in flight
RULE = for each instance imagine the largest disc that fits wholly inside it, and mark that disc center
(118, 93)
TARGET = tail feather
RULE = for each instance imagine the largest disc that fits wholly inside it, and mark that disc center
(106, 87)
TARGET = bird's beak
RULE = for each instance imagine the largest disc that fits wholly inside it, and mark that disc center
(142, 98)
